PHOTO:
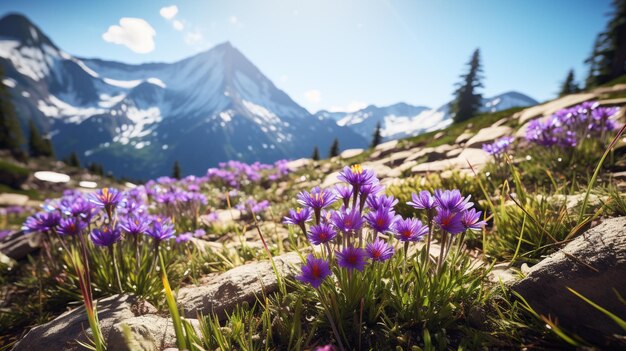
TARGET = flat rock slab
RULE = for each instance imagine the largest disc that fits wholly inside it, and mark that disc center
(476, 157)
(351, 153)
(10, 199)
(299, 163)
(488, 135)
(384, 149)
(593, 265)
(221, 293)
(18, 245)
(65, 331)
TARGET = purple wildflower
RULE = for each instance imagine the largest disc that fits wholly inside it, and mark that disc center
(471, 219)
(42, 221)
(314, 271)
(450, 221)
(499, 146)
(161, 230)
(107, 198)
(106, 236)
(298, 217)
(134, 225)
(410, 229)
(71, 226)
(357, 176)
(317, 199)
(379, 201)
(321, 233)
(452, 200)
(347, 220)
(198, 233)
(351, 258)
(422, 201)
(345, 193)
(379, 250)
(381, 220)
(184, 237)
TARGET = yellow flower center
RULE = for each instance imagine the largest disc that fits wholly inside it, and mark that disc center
(357, 169)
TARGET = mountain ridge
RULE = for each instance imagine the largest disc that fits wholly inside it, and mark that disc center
(401, 120)
(137, 119)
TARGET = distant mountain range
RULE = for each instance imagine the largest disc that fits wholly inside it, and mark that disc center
(403, 120)
(137, 120)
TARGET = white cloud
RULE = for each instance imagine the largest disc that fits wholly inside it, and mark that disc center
(351, 107)
(169, 12)
(313, 95)
(233, 20)
(284, 78)
(134, 33)
(178, 25)
(193, 37)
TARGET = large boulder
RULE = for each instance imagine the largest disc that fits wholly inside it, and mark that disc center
(220, 293)
(593, 265)
(67, 330)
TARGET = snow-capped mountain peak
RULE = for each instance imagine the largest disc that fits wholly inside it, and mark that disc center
(138, 119)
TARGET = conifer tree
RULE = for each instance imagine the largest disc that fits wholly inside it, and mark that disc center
(467, 100)
(377, 138)
(11, 136)
(316, 154)
(176, 170)
(334, 149)
(73, 160)
(37, 145)
(569, 85)
(608, 58)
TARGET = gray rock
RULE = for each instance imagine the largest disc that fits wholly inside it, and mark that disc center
(593, 264)
(502, 273)
(384, 149)
(220, 293)
(299, 163)
(476, 157)
(381, 170)
(65, 331)
(465, 136)
(18, 245)
(431, 153)
(488, 135)
(147, 333)
(350, 153)
(10, 199)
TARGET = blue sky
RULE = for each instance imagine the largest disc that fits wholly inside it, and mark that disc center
(342, 54)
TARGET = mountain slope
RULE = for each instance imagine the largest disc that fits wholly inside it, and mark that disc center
(403, 120)
(138, 119)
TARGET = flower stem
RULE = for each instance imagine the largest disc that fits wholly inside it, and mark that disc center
(116, 269)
